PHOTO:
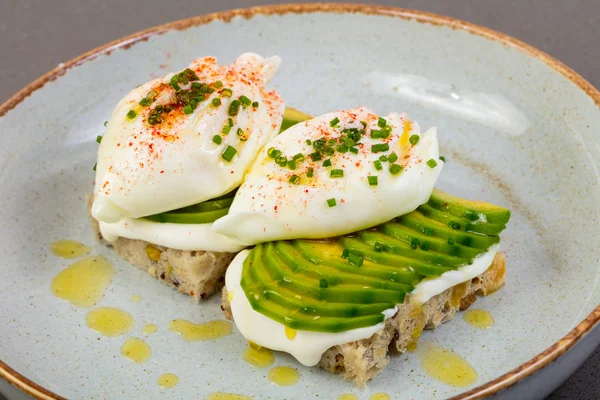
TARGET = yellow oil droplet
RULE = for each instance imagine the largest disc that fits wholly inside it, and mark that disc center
(149, 329)
(380, 396)
(167, 381)
(83, 282)
(69, 249)
(109, 321)
(290, 333)
(479, 318)
(136, 350)
(283, 376)
(136, 298)
(254, 345)
(230, 296)
(226, 396)
(347, 396)
(193, 332)
(260, 358)
(446, 366)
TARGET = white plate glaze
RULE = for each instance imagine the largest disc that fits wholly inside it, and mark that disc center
(514, 128)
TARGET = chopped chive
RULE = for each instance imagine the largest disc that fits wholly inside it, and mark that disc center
(387, 129)
(218, 84)
(298, 157)
(383, 158)
(378, 247)
(414, 139)
(327, 163)
(414, 243)
(98, 139)
(294, 179)
(342, 148)
(308, 142)
(273, 152)
(378, 165)
(381, 122)
(105, 123)
(375, 134)
(336, 173)
(454, 225)
(131, 114)
(345, 253)
(364, 124)
(255, 104)
(353, 150)
(217, 139)
(145, 102)
(188, 109)
(393, 157)
(426, 246)
(395, 169)
(216, 102)
(227, 92)
(291, 164)
(230, 121)
(355, 260)
(239, 132)
(377, 148)
(431, 163)
(331, 202)
(226, 129)
(316, 156)
(373, 180)
(151, 95)
(309, 172)
(450, 241)
(281, 161)
(334, 121)
(234, 108)
(95, 165)
(245, 101)
(323, 283)
(228, 154)
(443, 158)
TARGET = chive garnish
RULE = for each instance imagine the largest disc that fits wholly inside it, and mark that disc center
(308, 142)
(353, 150)
(255, 104)
(381, 122)
(345, 253)
(245, 101)
(145, 102)
(327, 163)
(188, 109)
(443, 158)
(217, 139)
(454, 225)
(414, 139)
(105, 123)
(309, 172)
(431, 163)
(383, 158)
(323, 283)
(334, 121)
(98, 139)
(95, 165)
(395, 169)
(228, 154)
(291, 164)
(218, 84)
(298, 157)
(379, 147)
(234, 108)
(373, 180)
(393, 157)
(216, 102)
(227, 92)
(336, 173)
(131, 114)
(355, 260)
(294, 179)
(331, 202)
(378, 247)
(226, 129)
(378, 165)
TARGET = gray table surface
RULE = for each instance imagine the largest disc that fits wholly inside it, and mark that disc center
(35, 36)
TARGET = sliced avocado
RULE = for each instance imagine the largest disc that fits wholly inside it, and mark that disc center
(291, 117)
(471, 210)
(461, 224)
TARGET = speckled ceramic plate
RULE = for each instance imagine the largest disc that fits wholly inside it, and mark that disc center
(517, 128)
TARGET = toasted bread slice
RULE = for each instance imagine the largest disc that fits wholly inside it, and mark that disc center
(362, 360)
(196, 273)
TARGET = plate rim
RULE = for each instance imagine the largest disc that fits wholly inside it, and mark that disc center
(491, 387)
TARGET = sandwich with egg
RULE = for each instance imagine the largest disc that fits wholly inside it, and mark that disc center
(174, 151)
(355, 252)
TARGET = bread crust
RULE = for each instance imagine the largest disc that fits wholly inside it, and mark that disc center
(196, 273)
(362, 360)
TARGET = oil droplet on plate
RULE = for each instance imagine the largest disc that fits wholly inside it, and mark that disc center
(347, 396)
(69, 249)
(478, 318)
(136, 350)
(149, 329)
(260, 357)
(167, 381)
(283, 376)
(226, 396)
(136, 298)
(109, 321)
(83, 282)
(446, 366)
(380, 396)
(193, 332)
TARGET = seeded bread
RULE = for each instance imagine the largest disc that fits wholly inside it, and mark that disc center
(196, 273)
(362, 360)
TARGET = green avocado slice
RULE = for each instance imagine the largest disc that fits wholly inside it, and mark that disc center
(291, 117)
